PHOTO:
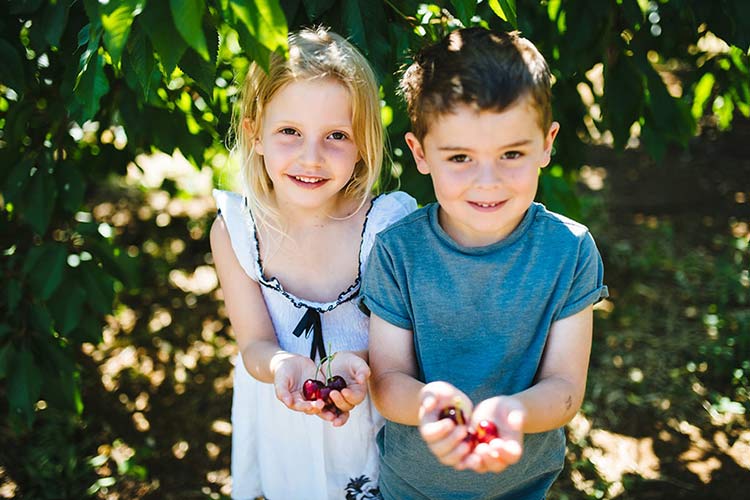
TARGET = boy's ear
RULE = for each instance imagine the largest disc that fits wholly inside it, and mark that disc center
(248, 128)
(549, 140)
(417, 151)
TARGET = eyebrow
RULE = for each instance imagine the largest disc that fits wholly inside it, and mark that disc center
(524, 142)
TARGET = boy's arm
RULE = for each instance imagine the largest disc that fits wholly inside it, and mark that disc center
(558, 392)
(394, 387)
(560, 384)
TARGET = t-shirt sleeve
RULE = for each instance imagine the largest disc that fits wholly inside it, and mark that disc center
(382, 288)
(587, 286)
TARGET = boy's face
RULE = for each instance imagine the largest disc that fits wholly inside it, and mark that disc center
(484, 167)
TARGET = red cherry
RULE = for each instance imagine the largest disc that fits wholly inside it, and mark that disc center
(486, 431)
(454, 414)
(325, 394)
(336, 383)
(311, 389)
(471, 438)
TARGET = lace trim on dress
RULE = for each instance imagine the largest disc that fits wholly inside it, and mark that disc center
(274, 284)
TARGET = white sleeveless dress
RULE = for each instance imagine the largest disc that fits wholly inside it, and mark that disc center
(279, 453)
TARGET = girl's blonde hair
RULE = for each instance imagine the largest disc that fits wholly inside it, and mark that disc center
(313, 53)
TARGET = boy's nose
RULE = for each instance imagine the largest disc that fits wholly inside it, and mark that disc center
(487, 175)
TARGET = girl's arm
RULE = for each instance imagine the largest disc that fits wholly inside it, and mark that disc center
(246, 309)
(394, 387)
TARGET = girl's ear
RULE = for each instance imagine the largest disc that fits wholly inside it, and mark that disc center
(549, 140)
(249, 129)
(417, 152)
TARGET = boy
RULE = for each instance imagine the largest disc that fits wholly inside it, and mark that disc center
(484, 297)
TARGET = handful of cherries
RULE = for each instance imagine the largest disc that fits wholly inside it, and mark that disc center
(484, 432)
(314, 389)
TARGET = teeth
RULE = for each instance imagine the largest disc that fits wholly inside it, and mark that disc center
(485, 205)
(309, 180)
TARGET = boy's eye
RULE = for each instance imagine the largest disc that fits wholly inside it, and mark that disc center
(512, 155)
(459, 158)
(288, 131)
(338, 136)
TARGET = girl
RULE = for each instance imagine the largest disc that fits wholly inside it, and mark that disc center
(289, 255)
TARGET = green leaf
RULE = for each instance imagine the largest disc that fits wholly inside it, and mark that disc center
(70, 186)
(622, 103)
(48, 266)
(158, 24)
(23, 6)
(37, 208)
(253, 48)
(11, 70)
(41, 321)
(91, 86)
(355, 26)
(7, 353)
(264, 20)
(89, 329)
(18, 179)
(187, 16)
(139, 59)
(53, 21)
(506, 10)
(24, 386)
(202, 72)
(98, 286)
(703, 90)
(465, 10)
(117, 19)
(66, 305)
(315, 8)
(13, 294)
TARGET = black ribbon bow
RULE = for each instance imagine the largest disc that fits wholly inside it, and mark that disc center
(310, 322)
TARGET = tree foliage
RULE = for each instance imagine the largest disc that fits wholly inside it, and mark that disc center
(87, 86)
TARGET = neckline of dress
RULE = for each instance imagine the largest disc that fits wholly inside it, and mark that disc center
(274, 284)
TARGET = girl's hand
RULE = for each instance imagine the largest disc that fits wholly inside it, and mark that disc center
(444, 437)
(508, 414)
(355, 371)
(290, 372)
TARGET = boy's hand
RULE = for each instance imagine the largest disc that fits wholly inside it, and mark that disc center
(290, 372)
(444, 437)
(508, 414)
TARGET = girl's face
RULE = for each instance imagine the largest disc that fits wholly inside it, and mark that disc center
(307, 143)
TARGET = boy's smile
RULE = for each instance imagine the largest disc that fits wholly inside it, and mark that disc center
(484, 167)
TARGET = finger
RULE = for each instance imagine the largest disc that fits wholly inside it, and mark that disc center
(445, 446)
(340, 402)
(471, 462)
(507, 450)
(354, 394)
(341, 419)
(451, 455)
(435, 431)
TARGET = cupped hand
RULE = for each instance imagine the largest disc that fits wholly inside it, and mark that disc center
(444, 437)
(508, 414)
(289, 375)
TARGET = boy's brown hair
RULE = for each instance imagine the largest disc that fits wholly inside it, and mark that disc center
(475, 66)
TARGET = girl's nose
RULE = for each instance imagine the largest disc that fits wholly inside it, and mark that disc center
(311, 154)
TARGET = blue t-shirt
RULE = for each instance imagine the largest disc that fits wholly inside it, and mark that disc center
(480, 318)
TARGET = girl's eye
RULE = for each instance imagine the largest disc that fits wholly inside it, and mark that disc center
(338, 136)
(459, 158)
(288, 131)
(512, 155)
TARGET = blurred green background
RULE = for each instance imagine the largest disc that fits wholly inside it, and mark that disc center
(115, 350)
